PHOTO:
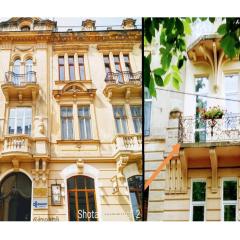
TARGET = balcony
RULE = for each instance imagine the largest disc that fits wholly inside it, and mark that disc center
(128, 142)
(197, 130)
(20, 87)
(123, 85)
(19, 146)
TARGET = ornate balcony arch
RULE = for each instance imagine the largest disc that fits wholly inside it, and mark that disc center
(74, 90)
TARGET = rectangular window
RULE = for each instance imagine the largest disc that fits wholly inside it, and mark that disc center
(118, 68)
(136, 112)
(127, 62)
(67, 123)
(81, 67)
(107, 64)
(198, 200)
(201, 87)
(120, 119)
(230, 200)
(71, 68)
(84, 119)
(232, 91)
(20, 120)
(61, 68)
(147, 111)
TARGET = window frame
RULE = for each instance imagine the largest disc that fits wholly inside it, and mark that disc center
(85, 126)
(197, 203)
(62, 138)
(228, 202)
(124, 117)
(139, 194)
(81, 65)
(71, 65)
(127, 63)
(16, 118)
(63, 66)
(149, 101)
(85, 190)
(107, 63)
(138, 118)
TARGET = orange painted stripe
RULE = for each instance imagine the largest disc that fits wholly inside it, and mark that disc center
(175, 150)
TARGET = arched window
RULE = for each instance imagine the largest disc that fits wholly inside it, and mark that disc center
(16, 71)
(25, 28)
(15, 197)
(81, 199)
(28, 70)
(135, 184)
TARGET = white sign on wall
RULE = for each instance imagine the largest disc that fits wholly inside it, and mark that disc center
(40, 203)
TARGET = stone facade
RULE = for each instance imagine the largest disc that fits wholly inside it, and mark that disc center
(212, 158)
(108, 157)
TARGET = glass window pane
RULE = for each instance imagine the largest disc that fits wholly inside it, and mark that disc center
(82, 207)
(80, 182)
(198, 213)
(92, 206)
(199, 191)
(71, 73)
(230, 213)
(61, 73)
(90, 183)
(135, 207)
(61, 60)
(229, 190)
(82, 72)
(71, 183)
(72, 206)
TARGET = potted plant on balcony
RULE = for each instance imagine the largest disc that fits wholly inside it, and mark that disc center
(212, 114)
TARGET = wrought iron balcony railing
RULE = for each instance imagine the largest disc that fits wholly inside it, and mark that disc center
(196, 130)
(123, 78)
(20, 79)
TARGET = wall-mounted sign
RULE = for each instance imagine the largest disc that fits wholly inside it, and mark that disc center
(40, 192)
(40, 203)
(56, 194)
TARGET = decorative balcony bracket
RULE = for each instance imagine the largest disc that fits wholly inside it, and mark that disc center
(184, 168)
(214, 166)
(40, 173)
(16, 165)
(121, 164)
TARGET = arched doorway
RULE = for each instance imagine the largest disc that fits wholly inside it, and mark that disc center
(15, 197)
(81, 199)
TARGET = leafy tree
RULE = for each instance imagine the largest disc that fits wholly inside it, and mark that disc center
(173, 52)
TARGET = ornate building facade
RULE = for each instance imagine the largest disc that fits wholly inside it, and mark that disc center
(70, 122)
(201, 182)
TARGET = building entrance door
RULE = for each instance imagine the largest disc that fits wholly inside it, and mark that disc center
(15, 197)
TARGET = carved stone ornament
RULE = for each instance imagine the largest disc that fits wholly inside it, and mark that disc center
(121, 164)
(80, 165)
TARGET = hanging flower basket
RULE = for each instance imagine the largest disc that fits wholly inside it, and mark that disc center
(212, 113)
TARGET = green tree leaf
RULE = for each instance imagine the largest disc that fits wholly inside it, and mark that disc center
(152, 89)
(158, 80)
(187, 28)
(228, 44)
(146, 71)
(166, 60)
(159, 71)
(176, 83)
(167, 79)
(222, 29)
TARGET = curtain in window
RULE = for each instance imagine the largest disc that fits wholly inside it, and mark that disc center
(67, 122)
(120, 119)
(137, 118)
(84, 122)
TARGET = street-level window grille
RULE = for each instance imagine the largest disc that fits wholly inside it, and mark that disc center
(120, 119)
(61, 68)
(82, 199)
(20, 120)
(71, 68)
(230, 208)
(137, 118)
(67, 123)
(84, 122)
(198, 200)
(81, 68)
(135, 189)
